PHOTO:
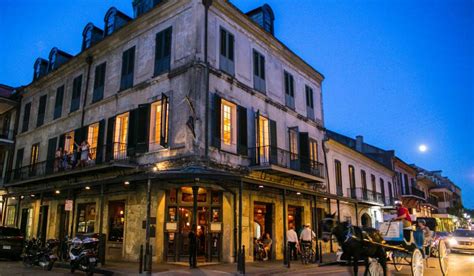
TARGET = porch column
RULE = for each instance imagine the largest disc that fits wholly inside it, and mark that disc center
(284, 227)
(357, 213)
(147, 233)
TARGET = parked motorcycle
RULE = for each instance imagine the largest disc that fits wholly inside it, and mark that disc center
(83, 254)
(36, 254)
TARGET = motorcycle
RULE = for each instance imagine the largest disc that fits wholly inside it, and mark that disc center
(83, 254)
(35, 254)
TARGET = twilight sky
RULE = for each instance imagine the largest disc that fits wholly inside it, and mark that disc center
(400, 73)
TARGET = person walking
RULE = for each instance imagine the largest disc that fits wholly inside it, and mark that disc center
(293, 243)
(192, 247)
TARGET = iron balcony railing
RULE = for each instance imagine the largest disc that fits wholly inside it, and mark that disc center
(267, 155)
(415, 192)
(70, 162)
(365, 195)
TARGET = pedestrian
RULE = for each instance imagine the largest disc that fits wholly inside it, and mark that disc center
(192, 247)
(293, 243)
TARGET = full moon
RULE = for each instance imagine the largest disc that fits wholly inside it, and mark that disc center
(422, 148)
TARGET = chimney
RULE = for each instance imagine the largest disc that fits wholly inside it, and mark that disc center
(359, 142)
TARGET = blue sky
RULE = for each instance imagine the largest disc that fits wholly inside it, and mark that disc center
(400, 73)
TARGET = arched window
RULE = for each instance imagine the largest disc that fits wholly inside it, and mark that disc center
(110, 21)
(52, 59)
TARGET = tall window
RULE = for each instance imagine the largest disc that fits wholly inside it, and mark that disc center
(120, 136)
(264, 139)
(313, 150)
(289, 90)
(158, 118)
(58, 104)
(92, 139)
(99, 82)
(293, 144)
(69, 142)
(34, 157)
(338, 171)
(128, 63)
(229, 125)
(226, 61)
(258, 71)
(309, 102)
(41, 110)
(26, 117)
(163, 51)
(76, 93)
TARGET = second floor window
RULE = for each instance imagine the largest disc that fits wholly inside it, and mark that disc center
(26, 117)
(41, 110)
(121, 136)
(128, 63)
(99, 82)
(163, 51)
(289, 90)
(309, 102)
(226, 63)
(338, 172)
(58, 103)
(259, 71)
(76, 93)
(159, 124)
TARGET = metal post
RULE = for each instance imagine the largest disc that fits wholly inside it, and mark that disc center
(284, 229)
(148, 214)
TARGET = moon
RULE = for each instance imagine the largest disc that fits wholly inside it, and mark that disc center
(422, 148)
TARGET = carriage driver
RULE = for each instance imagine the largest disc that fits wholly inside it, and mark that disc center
(403, 215)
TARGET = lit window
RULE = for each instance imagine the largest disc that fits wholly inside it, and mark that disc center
(156, 125)
(92, 138)
(69, 142)
(120, 136)
(228, 122)
(264, 139)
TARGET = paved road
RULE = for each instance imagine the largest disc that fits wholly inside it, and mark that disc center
(460, 265)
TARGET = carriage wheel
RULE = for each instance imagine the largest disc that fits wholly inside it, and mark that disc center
(397, 262)
(443, 257)
(417, 263)
(375, 268)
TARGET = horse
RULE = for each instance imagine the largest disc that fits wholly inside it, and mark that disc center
(352, 241)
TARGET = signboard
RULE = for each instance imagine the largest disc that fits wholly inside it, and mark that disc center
(392, 230)
(171, 226)
(216, 227)
(68, 205)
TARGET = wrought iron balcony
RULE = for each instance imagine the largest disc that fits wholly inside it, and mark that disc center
(366, 195)
(69, 162)
(267, 156)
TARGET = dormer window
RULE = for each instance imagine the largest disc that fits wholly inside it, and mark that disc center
(110, 22)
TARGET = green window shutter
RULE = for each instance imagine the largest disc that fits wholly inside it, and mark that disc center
(242, 143)
(143, 128)
(216, 122)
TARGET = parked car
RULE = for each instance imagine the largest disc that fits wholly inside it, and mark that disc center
(462, 240)
(11, 242)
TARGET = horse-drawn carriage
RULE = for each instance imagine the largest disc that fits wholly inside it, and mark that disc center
(407, 247)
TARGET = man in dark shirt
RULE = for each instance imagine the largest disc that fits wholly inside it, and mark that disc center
(192, 247)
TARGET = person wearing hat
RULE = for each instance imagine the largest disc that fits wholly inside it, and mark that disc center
(403, 215)
(427, 233)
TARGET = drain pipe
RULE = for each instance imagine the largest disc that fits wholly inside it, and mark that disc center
(89, 60)
(207, 4)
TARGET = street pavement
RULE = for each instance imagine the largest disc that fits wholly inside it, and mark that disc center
(460, 265)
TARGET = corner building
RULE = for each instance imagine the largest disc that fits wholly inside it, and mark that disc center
(233, 145)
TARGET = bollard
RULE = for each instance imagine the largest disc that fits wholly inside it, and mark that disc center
(243, 259)
(320, 253)
(140, 260)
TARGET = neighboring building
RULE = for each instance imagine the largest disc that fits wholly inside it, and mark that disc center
(361, 174)
(9, 100)
(250, 126)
